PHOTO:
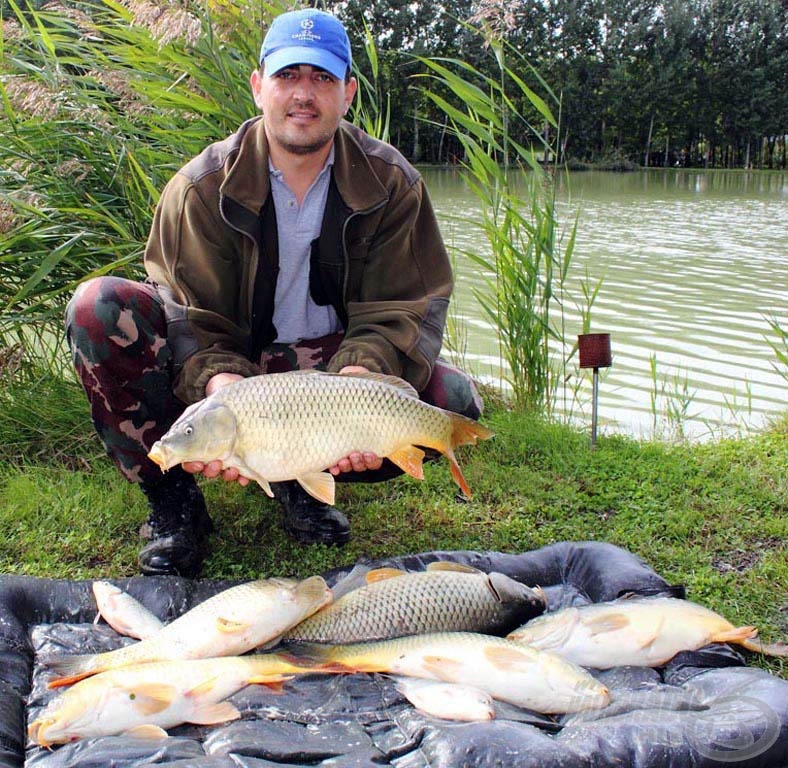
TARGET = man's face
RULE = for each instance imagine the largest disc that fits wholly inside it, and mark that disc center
(302, 106)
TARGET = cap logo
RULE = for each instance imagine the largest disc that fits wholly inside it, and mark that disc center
(306, 34)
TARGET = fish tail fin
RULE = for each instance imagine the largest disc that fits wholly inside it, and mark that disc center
(70, 669)
(735, 635)
(464, 431)
(457, 475)
(321, 659)
(274, 682)
(755, 645)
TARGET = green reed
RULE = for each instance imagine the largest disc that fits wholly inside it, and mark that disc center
(526, 269)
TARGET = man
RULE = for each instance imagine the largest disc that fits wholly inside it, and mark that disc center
(297, 242)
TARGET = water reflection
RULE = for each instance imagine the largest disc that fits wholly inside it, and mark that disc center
(693, 264)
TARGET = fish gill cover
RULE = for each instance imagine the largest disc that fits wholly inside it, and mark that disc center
(703, 708)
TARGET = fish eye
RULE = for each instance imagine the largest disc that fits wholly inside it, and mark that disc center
(188, 430)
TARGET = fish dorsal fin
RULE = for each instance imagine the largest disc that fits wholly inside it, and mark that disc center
(410, 460)
(320, 485)
(383, 574)
(152, 698)
(313, 590)
(509, 659)
(230, 627)
(610, 623)
(215, 713)
(447, 565)
(147, 731)
(385, 378)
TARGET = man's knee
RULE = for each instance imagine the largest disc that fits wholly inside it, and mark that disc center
(453, 390)
(109, 307)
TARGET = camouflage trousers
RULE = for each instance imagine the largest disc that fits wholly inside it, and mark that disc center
(117, 333)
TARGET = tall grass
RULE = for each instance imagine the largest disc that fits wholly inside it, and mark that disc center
(101, 103)
(529, 257)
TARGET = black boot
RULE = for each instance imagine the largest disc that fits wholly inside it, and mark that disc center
(178, 526)
(308, 520)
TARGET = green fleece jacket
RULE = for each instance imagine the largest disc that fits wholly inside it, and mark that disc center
(380, 260)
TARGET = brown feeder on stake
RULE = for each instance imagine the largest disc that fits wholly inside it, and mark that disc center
(594, 353)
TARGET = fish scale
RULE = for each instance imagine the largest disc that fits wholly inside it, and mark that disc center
(416, 603)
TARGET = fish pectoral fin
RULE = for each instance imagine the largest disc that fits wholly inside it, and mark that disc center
(152, 698)
(383, 574)
(736, 635)
(147, 731)
(443, 667)
(509, 659)
(447, 565)
(320, 485)
(266, 486)
(410, 460)
(228, 626)
(652, 638)
(215, 713)
(611, 623)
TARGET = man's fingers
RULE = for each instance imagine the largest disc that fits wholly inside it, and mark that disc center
(357, 462)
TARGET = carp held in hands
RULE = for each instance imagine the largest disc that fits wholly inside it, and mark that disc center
(293, 426)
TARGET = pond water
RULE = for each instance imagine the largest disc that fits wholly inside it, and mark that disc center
(693, 265)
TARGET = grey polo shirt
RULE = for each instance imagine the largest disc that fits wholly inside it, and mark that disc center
(296, 316)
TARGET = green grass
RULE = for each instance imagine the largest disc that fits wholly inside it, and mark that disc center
(713, 516)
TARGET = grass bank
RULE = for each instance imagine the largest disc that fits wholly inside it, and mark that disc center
(713, 517)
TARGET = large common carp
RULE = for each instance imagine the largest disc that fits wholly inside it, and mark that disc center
(635, 631)
(232, 622)
(447, 597)
(142, 699)
(508, 671)
(286, 426)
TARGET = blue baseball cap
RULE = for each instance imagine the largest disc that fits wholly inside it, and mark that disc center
(307, 36)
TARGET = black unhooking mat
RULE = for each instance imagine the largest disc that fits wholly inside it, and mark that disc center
(702, 709)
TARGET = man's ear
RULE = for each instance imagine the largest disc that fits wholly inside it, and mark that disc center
(256, 83)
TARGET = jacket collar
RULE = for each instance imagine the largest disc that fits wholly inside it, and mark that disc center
(356, 180)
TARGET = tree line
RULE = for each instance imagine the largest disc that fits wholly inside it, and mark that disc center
(698, 83)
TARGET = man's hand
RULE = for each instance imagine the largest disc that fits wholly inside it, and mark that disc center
(220, 380)
(357, 462)
(213, 469)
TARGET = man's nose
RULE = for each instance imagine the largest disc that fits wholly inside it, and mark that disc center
(304, 90)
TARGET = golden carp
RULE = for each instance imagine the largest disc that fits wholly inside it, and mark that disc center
(230, 623)
(449, 701)
(634, 631)
(286, 426)
(123, 613)
(143, 699)
(509, 671)
(447, 597)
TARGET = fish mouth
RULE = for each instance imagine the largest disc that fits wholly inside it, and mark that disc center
(158, 455)
(36, 732)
